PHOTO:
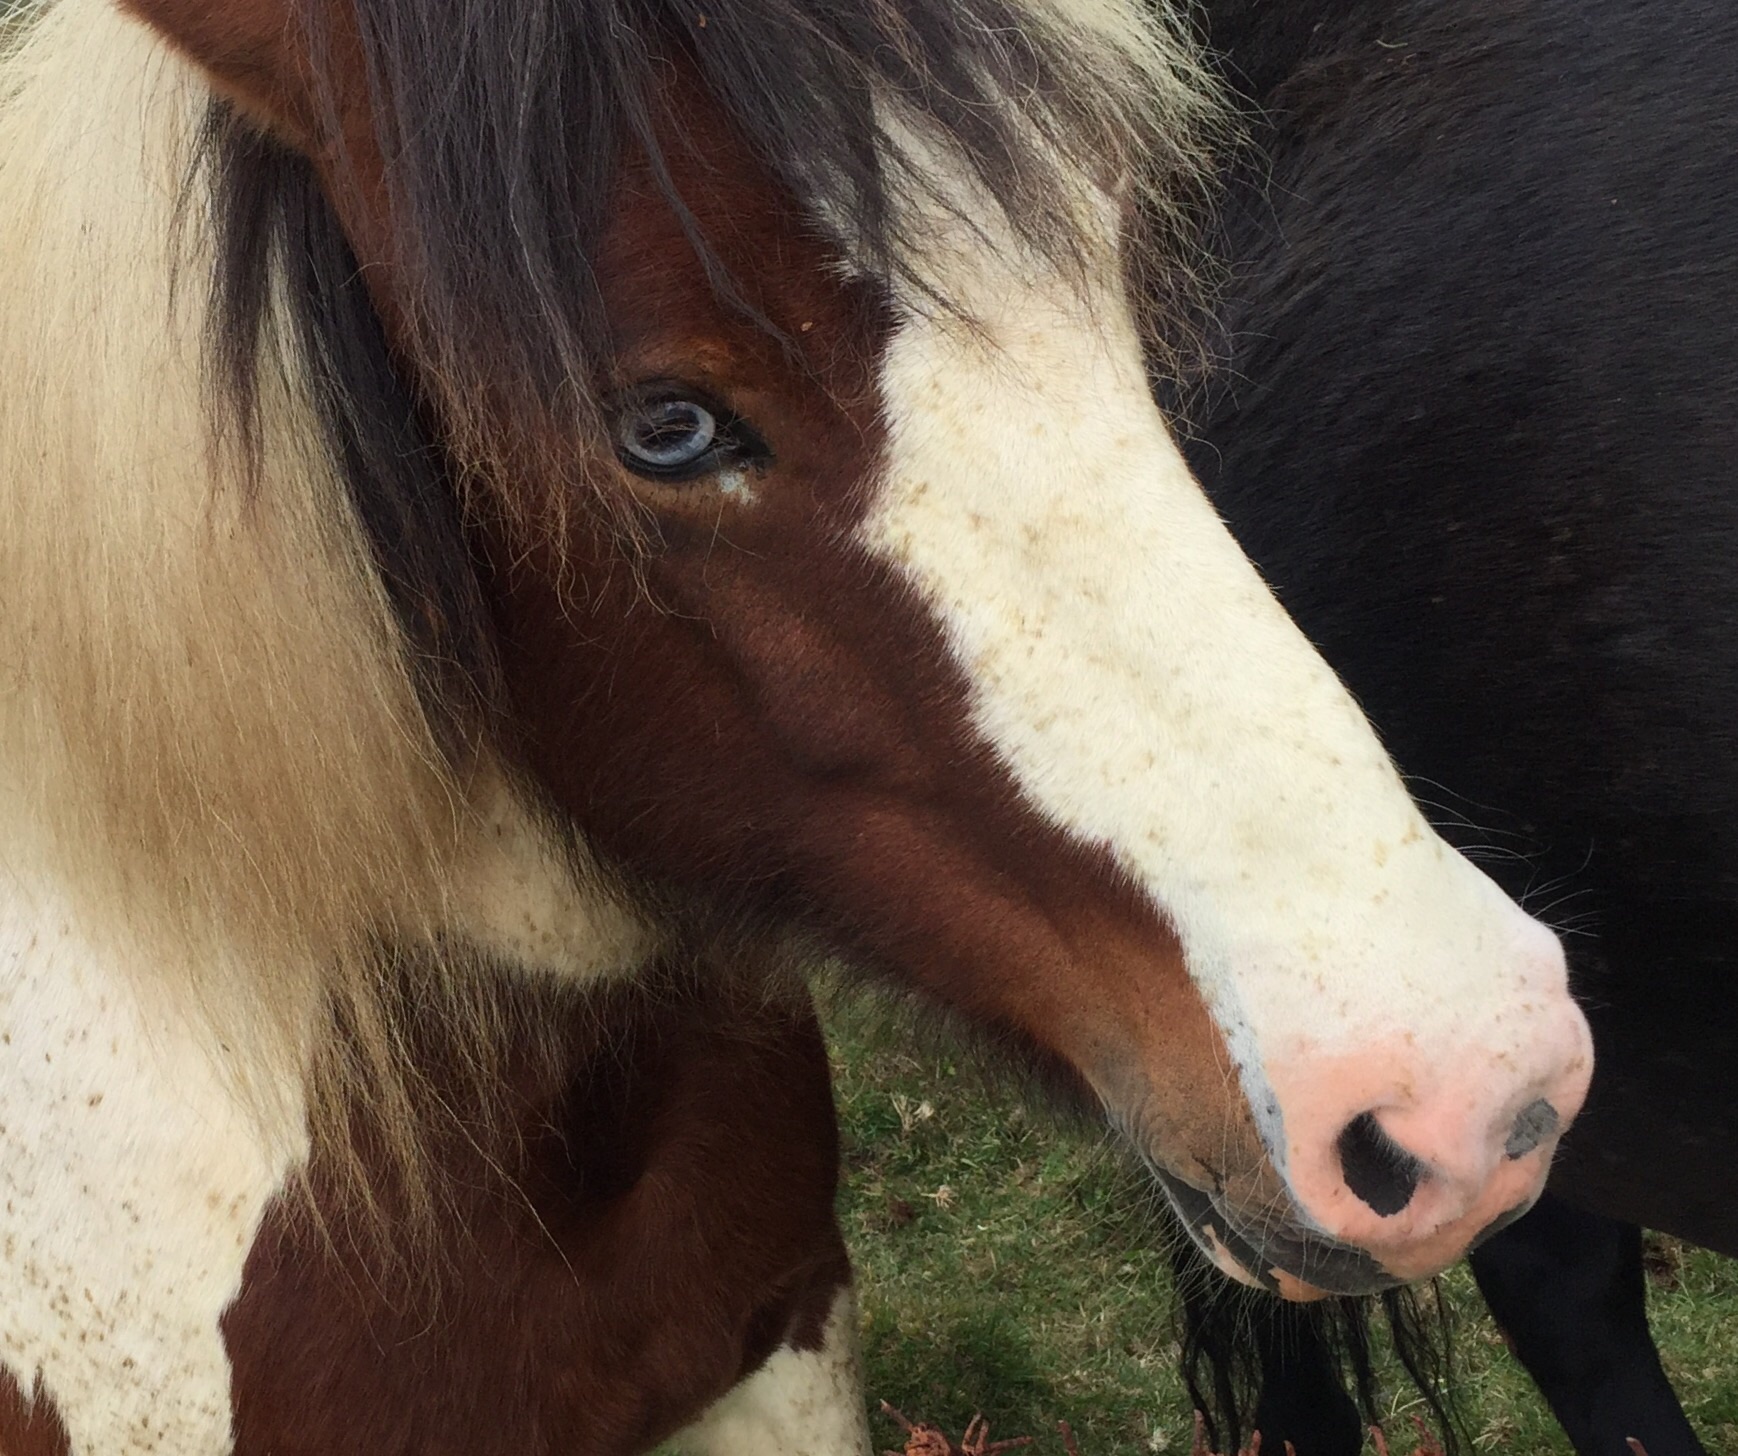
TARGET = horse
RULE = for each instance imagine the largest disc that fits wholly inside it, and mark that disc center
(525, 521)
(1474, 425)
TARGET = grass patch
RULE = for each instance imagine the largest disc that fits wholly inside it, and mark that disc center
(1004, 1265)
(1015, 1267)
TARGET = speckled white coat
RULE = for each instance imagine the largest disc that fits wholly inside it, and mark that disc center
(132, 1182)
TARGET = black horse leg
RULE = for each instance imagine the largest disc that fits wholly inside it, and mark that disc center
(1568, 1289)
(1236, 1339)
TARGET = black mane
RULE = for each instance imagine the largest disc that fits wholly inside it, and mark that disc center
(278, 239)
(504, 125)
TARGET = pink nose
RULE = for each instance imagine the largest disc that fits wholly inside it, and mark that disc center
(1411, 1153)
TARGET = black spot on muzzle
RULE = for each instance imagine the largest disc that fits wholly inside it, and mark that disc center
(1537, 1121)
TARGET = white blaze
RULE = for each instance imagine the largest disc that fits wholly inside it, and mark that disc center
(1148, 693)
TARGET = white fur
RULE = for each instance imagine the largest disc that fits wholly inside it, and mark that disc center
(800, 1403)
(132, 1182)
(1148, 693)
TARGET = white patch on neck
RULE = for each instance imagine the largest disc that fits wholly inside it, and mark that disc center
(525, 899)
(132, 1184)
(1148, 694)
(800, 1403)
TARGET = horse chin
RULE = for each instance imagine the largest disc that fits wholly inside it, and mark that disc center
(1282, 1257)
(1272, 1254)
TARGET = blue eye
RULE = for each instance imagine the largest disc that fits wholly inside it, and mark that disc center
(674, 434)
(668, 438)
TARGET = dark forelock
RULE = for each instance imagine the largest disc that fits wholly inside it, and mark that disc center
(504, 123)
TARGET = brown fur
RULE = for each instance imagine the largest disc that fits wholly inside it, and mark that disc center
(856, 792)
(635, 1229)
(500, 316)
(29, 1426)
(780, 711)
(778, 727)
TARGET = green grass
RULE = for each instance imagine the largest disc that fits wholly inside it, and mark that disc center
(1010, 1266)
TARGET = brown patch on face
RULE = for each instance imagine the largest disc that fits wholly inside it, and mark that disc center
(29, 1426)
(638, 1226)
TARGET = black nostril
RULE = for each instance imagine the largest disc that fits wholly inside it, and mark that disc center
(1381, 1172)
(1537, 1121)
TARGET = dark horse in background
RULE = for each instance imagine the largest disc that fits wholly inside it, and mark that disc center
(1479, 430)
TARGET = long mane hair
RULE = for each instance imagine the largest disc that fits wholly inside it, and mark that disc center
(250, 709)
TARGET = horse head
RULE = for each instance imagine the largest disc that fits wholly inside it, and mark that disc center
(794, 516)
